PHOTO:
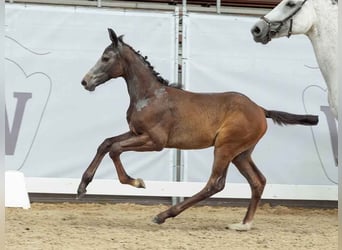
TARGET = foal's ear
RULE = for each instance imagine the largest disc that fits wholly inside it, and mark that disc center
(113, 37)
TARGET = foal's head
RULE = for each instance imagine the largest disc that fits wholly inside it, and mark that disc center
(107, 67)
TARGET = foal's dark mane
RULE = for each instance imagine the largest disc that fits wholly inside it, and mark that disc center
(144, 59)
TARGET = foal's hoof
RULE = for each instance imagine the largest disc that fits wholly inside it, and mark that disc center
(139, 183)
(158, 220)
(240, 226)
(81, 193)
(80, 196)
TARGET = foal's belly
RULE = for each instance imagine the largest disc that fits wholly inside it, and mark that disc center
(191, 140)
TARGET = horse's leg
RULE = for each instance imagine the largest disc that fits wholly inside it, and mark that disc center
(133, 143)
(215, 184)
(102, 150)
(124, 178)
(257, 182)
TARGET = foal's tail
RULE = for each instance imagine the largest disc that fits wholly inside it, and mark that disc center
(283, 118)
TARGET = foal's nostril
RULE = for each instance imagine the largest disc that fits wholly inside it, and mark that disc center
(84, 83)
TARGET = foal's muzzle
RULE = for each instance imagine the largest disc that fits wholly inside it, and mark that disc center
(84, 83)
(87, 86)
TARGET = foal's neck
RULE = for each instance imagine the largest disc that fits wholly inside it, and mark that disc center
(139, 76)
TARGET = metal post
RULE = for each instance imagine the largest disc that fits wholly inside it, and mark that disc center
(218, 6)
(176, 50)
(177, 170)
(182, 79)
(177, 173)
(99, 3)
(184, 6)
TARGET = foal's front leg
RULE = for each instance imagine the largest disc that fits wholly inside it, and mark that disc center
(102, 150)
(117, 145)
(134, 143)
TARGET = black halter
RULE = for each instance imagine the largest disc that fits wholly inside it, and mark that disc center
(275, 26)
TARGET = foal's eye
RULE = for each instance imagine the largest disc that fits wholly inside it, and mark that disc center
(290, 4)
(105, 58)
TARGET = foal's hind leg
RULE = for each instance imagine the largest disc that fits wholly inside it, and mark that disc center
(102, 150)
(215, 184)
(257, 182)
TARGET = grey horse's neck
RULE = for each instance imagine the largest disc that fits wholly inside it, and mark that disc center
(323, 36)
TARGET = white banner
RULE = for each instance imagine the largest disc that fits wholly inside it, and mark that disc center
(283, 75)
(53, 125)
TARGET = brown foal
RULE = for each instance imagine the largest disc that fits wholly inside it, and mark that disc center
(160, 116)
